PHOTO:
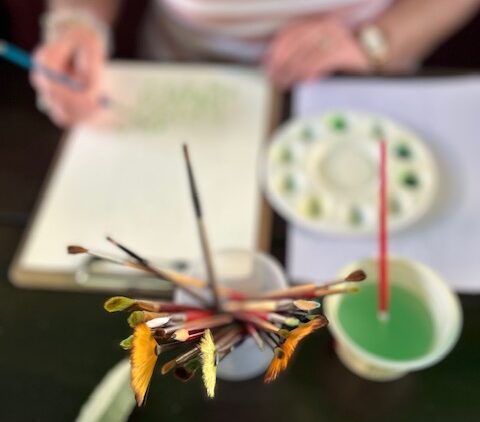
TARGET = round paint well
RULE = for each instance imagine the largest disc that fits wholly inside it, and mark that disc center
(334, 158)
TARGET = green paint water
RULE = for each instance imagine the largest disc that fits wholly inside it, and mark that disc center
(408, 333)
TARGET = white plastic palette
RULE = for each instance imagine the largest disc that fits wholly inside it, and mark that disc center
(321, 172)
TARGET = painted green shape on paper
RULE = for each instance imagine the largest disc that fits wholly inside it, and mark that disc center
(160, 106)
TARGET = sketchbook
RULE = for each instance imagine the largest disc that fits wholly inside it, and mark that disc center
(123, 175)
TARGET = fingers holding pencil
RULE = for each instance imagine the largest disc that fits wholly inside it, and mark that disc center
(77, 58)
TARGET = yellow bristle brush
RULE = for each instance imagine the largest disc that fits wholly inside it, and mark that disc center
(143, 357)
(208, 359)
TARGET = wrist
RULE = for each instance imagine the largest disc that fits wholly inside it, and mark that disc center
(54, 23)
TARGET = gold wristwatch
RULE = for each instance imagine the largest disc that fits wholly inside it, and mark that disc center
(375, 45)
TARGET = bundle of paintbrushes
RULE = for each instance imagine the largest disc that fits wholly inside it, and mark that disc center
(200, 336)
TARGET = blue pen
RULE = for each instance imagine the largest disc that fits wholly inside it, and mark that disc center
(23, 59)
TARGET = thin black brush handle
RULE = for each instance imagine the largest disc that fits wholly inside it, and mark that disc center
(270, 343)
(207, 255)
(274, 339)
(128, 251)
(193, 185)
(160, 274)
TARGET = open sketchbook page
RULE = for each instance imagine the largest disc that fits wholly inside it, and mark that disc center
(126, 177)
(444, 111)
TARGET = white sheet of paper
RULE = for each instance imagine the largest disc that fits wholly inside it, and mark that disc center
(132, 184)
(445, 112)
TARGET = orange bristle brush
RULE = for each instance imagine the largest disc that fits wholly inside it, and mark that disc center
(284, 353)
(143, 357)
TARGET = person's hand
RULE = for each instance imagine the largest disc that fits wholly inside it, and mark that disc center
(78, 52)
(313, 48)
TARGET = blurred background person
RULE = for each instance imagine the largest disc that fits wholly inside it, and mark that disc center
(292, 40)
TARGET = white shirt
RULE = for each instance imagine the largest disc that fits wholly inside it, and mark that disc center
(235, 30)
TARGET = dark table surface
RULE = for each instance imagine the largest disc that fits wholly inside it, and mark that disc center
(55, 347)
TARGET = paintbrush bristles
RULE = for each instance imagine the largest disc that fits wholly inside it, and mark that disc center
(126, 344)
(306, 305)
(209, 368)
(284, 353)
(167, 367)
(142, 359)
(118, 303)
(75, 249)
(355, 276)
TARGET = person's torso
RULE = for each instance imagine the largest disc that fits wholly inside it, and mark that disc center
(235, 30)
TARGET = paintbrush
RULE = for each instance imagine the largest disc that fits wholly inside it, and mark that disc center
(228, 346)
(159, 273)
(170, 275)
(303, 290)
(253, 332)
(207, 255)
(270, 305)
(122, 303)
(208, 359)
(308, 290)
(178, 317)
(325, 292)
(354, 277)
(284, 352)
(199, 324)
(180, 359)
(260, 323)
(187, 371)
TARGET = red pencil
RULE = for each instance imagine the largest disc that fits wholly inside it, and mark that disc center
(383, 290)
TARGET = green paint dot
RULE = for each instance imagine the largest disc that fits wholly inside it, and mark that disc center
(289, 184)
(338, 123)
(314, 208)
(378, 131)
(410, 180)
(394, 206)
(307, 134)
(356, 216)
(403, 151)
(286, 156)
